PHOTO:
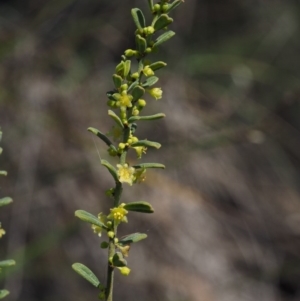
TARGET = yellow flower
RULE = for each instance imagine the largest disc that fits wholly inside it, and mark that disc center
(125, 173)
(140, 150)
(98, 230)
(155, 92)
(2, 232)
(118, 214)
(148, 71)
(124, 250)
(123, 100)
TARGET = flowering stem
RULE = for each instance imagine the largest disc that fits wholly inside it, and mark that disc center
(127, 96)
(110, 272)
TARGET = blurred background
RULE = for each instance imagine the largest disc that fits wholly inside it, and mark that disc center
(227, 219)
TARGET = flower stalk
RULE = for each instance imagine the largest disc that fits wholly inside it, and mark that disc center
(126, 101)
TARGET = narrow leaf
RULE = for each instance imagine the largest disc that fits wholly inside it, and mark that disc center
(157, 65)
(103, 137)
(141, 44)
(163, 38)
(116, 118)
(150, 2)
(118, 260)
(149, 165)
(86, 273)
(5, 201)
(89, 218)
(137, 92)
(173, 5)
(143, 207)
(127, 65)
(111, 169)
(133, 85)
(3, 293)
(150, 81)
(131, 238)
(146, 143)
(117, 80)
(1, 150)
(3, 173)
(7, 263)
(120, 67)
(150, 117)
(138, 18)
(162, 22)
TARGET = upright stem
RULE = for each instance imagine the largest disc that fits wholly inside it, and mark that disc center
(110, 272)
(112, 249)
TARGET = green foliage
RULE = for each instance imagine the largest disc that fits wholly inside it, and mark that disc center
(8, 262)
(126, 103)
(131, 238)
(139, 207)
(86, 273)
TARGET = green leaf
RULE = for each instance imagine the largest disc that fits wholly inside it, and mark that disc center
(110, 95)
(163, 38)
(5, 201)
(103, 137)
(133, 85)
(7, 263)
(3, 173)
(150, 2)
(173, 5)
(120, 67)
(117, 80)
(111, 169)
(1, 150)
(131, 238)
(86, 273)
(137, 92)
(118, 260)
(146, 143)
(163, 21)
(89, 218)
(138, 18)
(150, 117)
(141, 44)
(157, 65)
(149, 165)
(3, 293)
(116, 118)
(150, 81)
(127, 65)
(143, 207)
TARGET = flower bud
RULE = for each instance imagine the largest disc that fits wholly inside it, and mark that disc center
(156, 7)
(111, 234)
(135, 75)
(124, 271)
(122, 145)
(124, 87)
(141, 103)
(130, 52)
(135, 112)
